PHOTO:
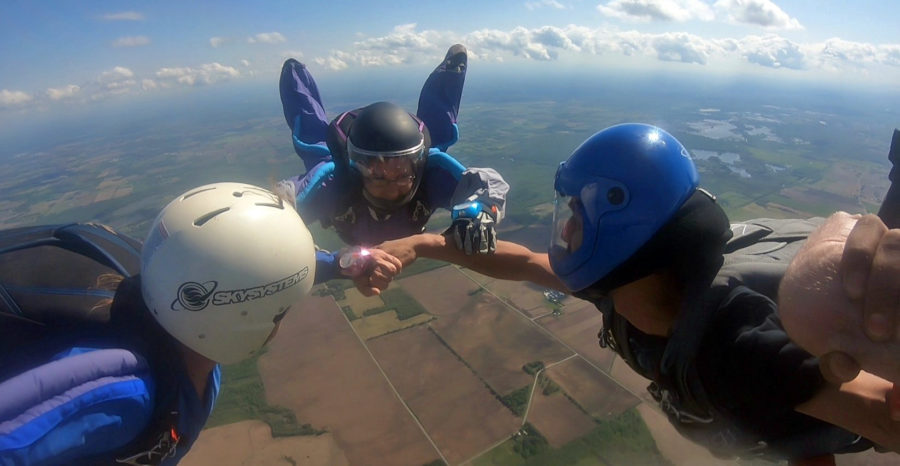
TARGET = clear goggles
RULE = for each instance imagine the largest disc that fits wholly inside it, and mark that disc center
(385, 167)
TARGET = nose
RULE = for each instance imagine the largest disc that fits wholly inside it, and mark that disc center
(568, 229)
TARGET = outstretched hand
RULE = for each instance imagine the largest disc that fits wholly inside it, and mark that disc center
(840, 298)
(377, 273)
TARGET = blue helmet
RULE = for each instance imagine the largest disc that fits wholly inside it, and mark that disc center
(613, 194)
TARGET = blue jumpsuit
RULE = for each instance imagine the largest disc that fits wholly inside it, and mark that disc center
(333, 197)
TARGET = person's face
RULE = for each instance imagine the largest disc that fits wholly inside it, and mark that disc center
(389, 178)
(573, 230)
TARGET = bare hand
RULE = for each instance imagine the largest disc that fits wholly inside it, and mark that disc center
(839, 299)
(870, 272)
(378, 274)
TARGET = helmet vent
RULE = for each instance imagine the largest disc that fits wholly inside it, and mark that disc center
(193, 193)
(199, 221)
(277, 205)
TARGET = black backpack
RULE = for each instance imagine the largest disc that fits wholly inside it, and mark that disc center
(756, 258)
(51, 296)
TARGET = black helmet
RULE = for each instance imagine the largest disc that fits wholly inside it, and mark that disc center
(383, 131)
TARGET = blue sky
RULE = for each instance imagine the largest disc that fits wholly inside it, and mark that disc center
(80, 53)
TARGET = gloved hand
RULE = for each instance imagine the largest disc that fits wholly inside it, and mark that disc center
(473, 227)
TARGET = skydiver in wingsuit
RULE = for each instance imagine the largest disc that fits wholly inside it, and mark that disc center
(378, 172)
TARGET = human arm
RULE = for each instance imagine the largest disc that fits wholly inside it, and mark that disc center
(844, 275)
(372, 275)
(510, 261)
(859, 406)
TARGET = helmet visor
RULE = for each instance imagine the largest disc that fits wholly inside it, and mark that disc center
(582, 200)
(568, 225)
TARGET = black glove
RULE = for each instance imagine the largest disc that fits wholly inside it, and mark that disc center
(473, 227)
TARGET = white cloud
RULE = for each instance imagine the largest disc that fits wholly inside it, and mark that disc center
(245, 62)
(296, 54)
(204, 74)
(11, 98)
(116, 74)
(405, 44)
(657, 10)
(64, 92)
(117, 81)
(756, 12)
(131, 41)
(889, 54)
(544, 3)
(124, 16)
(217, 42)
(682, 47)
(148, 84)
(267, 38)
(773, 52)
(334, 62)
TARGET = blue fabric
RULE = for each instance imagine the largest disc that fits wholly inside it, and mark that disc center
(439, 101)
(98, 417)
(95, 407)
(194, 411)
(327, 266)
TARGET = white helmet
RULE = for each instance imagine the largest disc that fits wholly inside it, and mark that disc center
(221, 266)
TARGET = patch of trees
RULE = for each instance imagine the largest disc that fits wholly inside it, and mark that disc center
(334, 288)
(548, 386)
(348, 311)
(517, 401)
(533, 367)
(529, 442)
(405, 305)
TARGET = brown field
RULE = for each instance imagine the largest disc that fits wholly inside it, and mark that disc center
(557, 419)
(593, 390)
(630, 379)
(442, 291)
(318, 368)
(496, 342)
(525, 296)
(868, 458)
(359, 303)
(459, 413)
(386, 322)
(677, 449)
(769, 210)
(813, 196)
(250, 443)
(670, 443)
(577, 327)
